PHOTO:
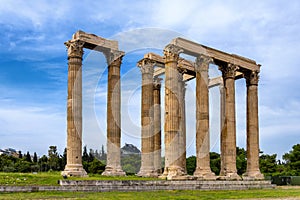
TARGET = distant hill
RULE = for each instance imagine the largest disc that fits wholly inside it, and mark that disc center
(129, 149)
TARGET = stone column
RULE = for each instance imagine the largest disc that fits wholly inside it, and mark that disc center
(203, 170)
(147, 165)
(157, 125)
(253, 171)
(182, 133)
(113, 164)
(172, 115)
(74, 110)
(228, 133)
(222, 120)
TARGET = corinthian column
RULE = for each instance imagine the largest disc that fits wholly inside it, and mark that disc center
(182, 133)
(113, 163)
(253, 172)
(157, 125)
(74, 110)
(203, 170)
(172, 113)
(147, 165)
(228, 133)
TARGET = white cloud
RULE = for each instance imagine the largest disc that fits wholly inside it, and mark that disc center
(32, 128)
(267, 31)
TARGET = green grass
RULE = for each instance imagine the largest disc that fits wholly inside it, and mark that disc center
(244, 194)
(51, 178)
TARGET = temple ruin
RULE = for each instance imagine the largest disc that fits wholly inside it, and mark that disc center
(177, 71)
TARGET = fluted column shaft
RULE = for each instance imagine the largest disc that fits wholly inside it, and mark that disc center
(147, 165)
(157, 125)
(228, 133)
(113, 165)
(74, 110)
(253, 171)
(172, 113)
(182, 138)
(203, 170)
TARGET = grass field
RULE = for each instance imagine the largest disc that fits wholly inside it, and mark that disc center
(244, 194)
(53, 177)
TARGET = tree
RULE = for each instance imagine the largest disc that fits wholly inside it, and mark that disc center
(96, 167)
(43, 163)
(215, 162)
(53, 160)
(241, 162)
(85, 155)
(191, 165)
(103, 154)
(63, 159)
(35, 159)
(91, 156)
(268, 164)
(131, 163)
(28, 157)
(292, 160)
(20, 154)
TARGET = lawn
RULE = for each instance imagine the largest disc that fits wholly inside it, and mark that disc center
(51, 178)
(244, 194)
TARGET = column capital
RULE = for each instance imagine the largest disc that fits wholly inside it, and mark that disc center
(229, 70)
(252, 78)
(202, 63)
(75, 48)
(171, 53)
(156, 83)
(114, 57)
(147, 66)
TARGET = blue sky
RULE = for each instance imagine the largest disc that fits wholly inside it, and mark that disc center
(33, 72)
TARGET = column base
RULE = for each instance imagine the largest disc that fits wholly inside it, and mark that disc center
(174, 173)
(251, 176)
(113, 171)
(147, 173)
(74, 170)
(201, 174)
(230, 177)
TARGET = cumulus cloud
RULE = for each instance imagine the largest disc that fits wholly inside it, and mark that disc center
(266, 31)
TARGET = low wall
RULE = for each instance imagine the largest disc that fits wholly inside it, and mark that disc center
(130, 185)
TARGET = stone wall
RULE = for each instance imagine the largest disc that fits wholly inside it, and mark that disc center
(130, 185)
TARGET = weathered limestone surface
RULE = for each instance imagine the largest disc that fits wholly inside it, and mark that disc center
(157, 125)
(195, 49)
(107, 186)
(172, 114)
(147, 114)
(177, 70)
(203, 170)
(74, 110)
(94, 42)
(113, 165)
(182, 132)
(253, 171)
(228, 133)
(75, 47)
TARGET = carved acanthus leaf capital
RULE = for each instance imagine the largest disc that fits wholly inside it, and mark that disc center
(171, 53)
(252, 78)
(157, 83)
(114, 57)
(147, 66)
(228, 71)
(202, 63)
(75, 48)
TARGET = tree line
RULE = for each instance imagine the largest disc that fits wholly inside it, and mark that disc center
(94, 162)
